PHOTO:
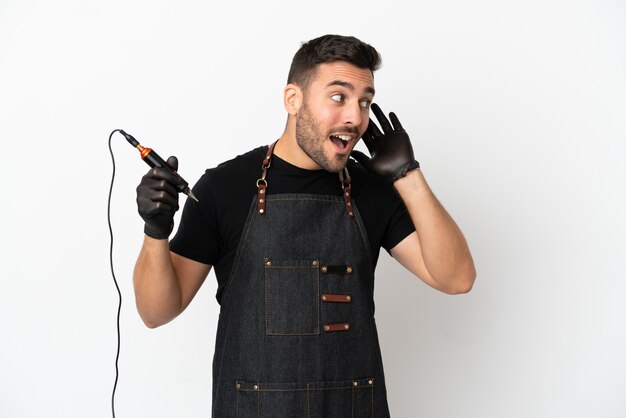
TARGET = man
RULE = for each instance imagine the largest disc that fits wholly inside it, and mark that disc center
(294, 231)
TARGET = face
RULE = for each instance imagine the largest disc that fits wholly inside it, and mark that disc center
(334, 113)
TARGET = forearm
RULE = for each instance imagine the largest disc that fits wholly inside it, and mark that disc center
(157, 289)
(443, 248)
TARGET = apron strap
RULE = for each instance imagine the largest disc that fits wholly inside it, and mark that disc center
(345, 186)
(261, 184)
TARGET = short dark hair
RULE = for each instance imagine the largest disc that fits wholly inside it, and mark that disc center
(331, 48)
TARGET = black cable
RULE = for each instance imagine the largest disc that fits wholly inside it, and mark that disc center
(119, 307)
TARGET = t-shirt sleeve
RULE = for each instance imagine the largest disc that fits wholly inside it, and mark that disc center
(400, 224)
(197, 237)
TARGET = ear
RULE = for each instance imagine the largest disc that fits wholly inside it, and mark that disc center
(292, 98)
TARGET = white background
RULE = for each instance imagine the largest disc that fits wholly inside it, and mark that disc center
(516, 111)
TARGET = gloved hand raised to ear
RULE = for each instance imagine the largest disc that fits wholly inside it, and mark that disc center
(391, 151)
(157, 200)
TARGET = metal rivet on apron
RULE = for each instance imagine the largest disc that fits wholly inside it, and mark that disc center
(261, 200)
(348, 298)
(255, 387)
(349, 204)
(371, 381)
(261, 211)
(355, 383)
(346, 326)
(349, 270)
(261, 191)
(347, 193)
(326, 327)
(324, 297)
(351, 214)
(269, 263)
(324, 269)
(238, 386)
(315, 263)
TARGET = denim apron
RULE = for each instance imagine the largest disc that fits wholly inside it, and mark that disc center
(296, 334)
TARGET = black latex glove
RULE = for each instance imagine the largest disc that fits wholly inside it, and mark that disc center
(157, 200)
(391, 151)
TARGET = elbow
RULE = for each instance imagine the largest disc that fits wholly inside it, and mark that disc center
(461, 289)
(462, 283)
(153, 316)
(151, 324)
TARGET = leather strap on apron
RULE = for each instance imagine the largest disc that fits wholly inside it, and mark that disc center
(261, 184)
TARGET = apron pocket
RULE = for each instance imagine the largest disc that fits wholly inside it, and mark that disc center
(342, 399)
(292, 301)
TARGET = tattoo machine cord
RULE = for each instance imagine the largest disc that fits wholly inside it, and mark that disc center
(119, 306)
(153, 160)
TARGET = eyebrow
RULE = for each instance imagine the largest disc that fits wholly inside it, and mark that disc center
(350, 87)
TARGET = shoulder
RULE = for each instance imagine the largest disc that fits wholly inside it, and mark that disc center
(384, 214)
(364, 180)
(239, 167)
(231, 181)
(253, 156)
(251, 159)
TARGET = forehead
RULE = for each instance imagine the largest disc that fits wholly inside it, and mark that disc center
(361, 78)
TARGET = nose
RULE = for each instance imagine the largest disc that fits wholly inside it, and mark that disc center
(353, 114)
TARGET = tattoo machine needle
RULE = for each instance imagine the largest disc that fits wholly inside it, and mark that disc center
(154, 160)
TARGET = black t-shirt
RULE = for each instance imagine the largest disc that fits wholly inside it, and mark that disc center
(209, 231)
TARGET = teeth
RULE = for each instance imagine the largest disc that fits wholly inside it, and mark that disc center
(344, 138)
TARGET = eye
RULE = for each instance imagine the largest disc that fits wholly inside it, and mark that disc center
(337, 97)
(365, 104)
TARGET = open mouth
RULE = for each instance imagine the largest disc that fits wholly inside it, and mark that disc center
(341, 141)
